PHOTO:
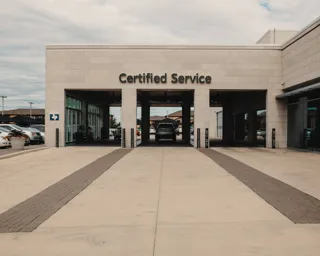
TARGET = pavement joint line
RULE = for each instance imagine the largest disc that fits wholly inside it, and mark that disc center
(31, 213)
(158, 205)
(296, 205)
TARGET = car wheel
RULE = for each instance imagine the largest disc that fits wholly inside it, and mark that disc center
(27, 142)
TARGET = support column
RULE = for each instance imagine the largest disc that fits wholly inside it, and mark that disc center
(276, 117)
(252, 126)
(239, 127)
(129, 114)
(145, 122)
(228, 124)
(186, 116)
(201, 114)
(106, 122)
(84, 113)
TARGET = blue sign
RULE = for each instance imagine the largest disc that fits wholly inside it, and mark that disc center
(54, 117)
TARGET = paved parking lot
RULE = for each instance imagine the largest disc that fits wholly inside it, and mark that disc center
(160, 201)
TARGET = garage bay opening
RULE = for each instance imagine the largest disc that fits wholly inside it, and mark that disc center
(92, 117)
(238, 118)
(165, 117)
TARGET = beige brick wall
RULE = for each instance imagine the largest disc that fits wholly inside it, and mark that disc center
(98, 67)
(301, 58)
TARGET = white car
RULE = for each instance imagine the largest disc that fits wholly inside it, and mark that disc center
(152, 130)
(39, 128)
(4, 131)
(4, 142)
(33, 136)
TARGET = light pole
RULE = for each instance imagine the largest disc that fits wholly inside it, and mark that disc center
(30, 102)
(3, 97)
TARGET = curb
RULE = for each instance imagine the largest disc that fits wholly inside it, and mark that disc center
(22, 152)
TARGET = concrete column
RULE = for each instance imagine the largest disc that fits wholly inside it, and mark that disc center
(85, 114)
(55, 104)
(129, 114)
(252, 126)
(106, 122)
(145, 122)
(276, 117)
(239, 127)
(201, 114)
(186, 116)
(228, 124)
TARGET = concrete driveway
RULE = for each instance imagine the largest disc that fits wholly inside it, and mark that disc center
(156, 201)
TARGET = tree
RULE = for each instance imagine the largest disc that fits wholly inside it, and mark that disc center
(113, 122)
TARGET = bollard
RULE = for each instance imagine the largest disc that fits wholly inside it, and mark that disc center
(305, 138)
(207, 138)
(273, 138)
(198, 137)
(57, 137)
(123, 138)
(132, 138)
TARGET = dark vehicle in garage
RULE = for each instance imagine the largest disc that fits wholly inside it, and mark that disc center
(166, 131)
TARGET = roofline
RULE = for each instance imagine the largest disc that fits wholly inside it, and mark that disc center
(307, 29)
(166, 47)
(268, 31)
(313, 25)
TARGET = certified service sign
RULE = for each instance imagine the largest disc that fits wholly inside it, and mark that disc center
(149, 78)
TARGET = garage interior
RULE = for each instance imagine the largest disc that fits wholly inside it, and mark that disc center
(241, 121)
(165, 98)
(87, 117)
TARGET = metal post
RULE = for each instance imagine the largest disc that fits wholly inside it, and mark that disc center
(198, 137)
(30, 113)
(132, 138)
(57, 137)
(3, 97)
(273, 138)
(123, 137)
(207, 138)
(305, 138)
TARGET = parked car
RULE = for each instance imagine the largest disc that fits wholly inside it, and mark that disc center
(261, 133)
(152, 130)
(8, 133)
(166, 131)
(4, 140)
(191, 131)
(111, 132)
(41, 129)
(117, 134)
(4, 131)
(31, 136)
(179, 130)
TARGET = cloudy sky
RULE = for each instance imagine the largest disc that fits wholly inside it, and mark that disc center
(27, 26)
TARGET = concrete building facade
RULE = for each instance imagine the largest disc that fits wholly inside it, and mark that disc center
(242, 78)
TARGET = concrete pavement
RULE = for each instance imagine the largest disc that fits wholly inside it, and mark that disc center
(298, 169)
(25, 175)
(157, 201)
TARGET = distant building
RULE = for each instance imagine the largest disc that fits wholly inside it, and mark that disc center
(154, 119)
(37, 113)
(177, 116)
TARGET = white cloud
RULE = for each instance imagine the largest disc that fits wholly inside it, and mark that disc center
(27, 26)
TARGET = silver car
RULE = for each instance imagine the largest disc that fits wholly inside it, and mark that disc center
(40, 128)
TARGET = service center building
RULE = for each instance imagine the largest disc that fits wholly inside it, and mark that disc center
(280, 74)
